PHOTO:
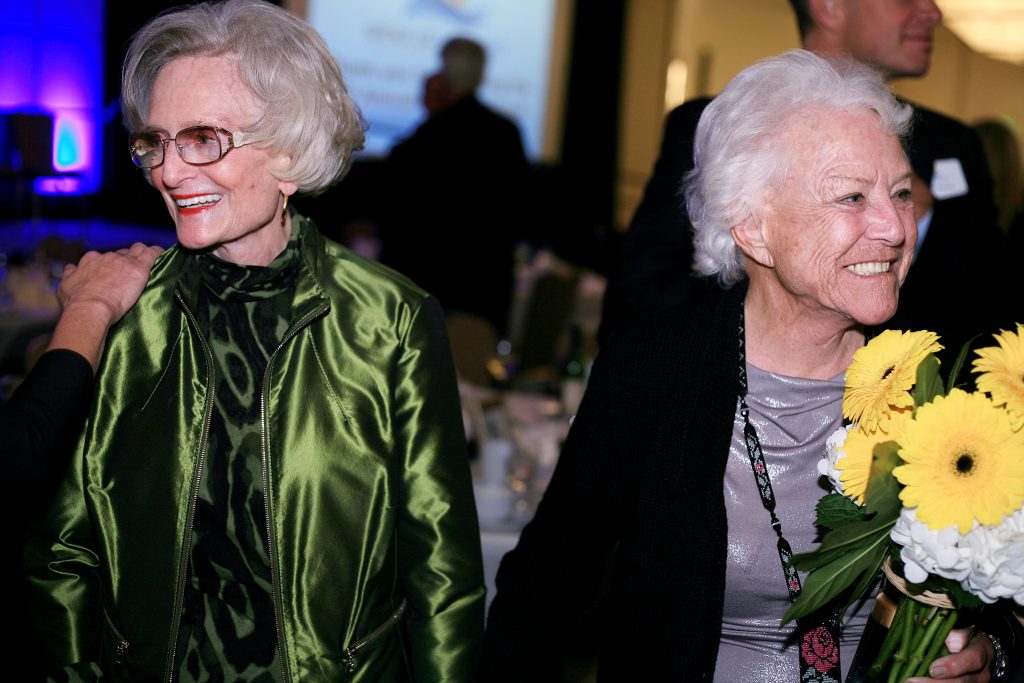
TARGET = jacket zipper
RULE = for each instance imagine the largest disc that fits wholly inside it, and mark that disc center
(122, 644)
(275, 578)
(187, 548)
(352, 650)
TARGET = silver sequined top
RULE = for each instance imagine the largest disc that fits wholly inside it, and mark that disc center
(793, 418)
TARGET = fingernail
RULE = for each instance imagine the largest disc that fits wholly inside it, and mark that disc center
(937, 671)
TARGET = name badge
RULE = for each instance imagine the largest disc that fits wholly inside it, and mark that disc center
(948, 179)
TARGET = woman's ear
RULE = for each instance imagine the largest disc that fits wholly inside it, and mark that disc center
(749, 235)
(280, 165)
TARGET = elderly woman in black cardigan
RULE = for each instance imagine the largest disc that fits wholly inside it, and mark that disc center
(800, 198)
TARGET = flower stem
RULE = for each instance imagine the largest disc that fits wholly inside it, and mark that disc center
(941, 627)
(906, 633)
(889, 645)
(921, 641)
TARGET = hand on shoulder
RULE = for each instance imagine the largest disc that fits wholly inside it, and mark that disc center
(97, 293)
(109, 283)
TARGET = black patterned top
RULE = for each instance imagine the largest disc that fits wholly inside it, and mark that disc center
(228, 624)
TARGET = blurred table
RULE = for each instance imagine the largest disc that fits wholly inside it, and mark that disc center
(32, 258)
(28, 311)
(519, 446)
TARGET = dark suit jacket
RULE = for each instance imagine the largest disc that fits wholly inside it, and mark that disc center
(456, 206)
(956, 286)
(641, 472)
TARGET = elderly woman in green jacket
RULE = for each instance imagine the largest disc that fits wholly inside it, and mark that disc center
(272, 485)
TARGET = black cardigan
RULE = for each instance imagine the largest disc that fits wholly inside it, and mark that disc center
(642, 470)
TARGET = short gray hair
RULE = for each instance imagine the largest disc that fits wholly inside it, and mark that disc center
(307, 113)
(463, 62)
(734, 158)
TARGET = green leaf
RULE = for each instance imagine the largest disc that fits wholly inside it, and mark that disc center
(961, 358)
(882, 496)
(836, 510)
(868, 576)
(857, 562)
(841, 541)
(880, 511)
(963, 599)
(929, 383)
(851, 555)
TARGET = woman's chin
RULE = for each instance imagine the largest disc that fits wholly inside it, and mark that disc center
(875, 316)
(189, 240)
(874, 304)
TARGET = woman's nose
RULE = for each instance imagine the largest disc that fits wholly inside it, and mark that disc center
(174, 170)
(891, 221)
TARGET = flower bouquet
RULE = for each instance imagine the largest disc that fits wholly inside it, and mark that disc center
(929, 488)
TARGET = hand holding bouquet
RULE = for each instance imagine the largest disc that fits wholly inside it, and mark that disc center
(929, 483)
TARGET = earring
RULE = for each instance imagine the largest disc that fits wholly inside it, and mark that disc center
(284, 210)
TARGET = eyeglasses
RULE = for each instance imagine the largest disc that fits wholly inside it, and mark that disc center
(198, 146)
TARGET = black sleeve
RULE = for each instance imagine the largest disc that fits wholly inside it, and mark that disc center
(652, 271)
(47, 411)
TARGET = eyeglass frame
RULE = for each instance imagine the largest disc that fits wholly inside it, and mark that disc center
(235, 140)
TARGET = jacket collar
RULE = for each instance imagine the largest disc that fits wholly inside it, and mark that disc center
(309, 292)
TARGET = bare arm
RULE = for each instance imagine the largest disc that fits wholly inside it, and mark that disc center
(96, 293)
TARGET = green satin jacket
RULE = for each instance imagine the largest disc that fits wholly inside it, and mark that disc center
(375, 550)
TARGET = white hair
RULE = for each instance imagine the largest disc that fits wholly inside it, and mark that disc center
(737, 155)
(307, 112)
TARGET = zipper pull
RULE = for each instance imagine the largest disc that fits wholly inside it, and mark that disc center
(350, 661)
(120, 649)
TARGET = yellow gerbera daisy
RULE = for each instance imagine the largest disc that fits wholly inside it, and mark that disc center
(879, 379)
(963, 462)
(1001, 371)
(858, 450)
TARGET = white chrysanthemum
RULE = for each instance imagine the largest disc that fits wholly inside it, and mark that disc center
(997, 560)
(833, 452)
(926, 551)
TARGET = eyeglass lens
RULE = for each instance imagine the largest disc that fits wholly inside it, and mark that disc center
(199, 145)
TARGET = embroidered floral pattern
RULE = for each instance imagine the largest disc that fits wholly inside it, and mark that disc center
(819, 650)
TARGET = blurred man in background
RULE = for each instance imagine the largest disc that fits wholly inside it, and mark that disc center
(458, 184)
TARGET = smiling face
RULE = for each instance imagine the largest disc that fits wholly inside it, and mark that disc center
(894, 36)
(835, 239)
(232, 206)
